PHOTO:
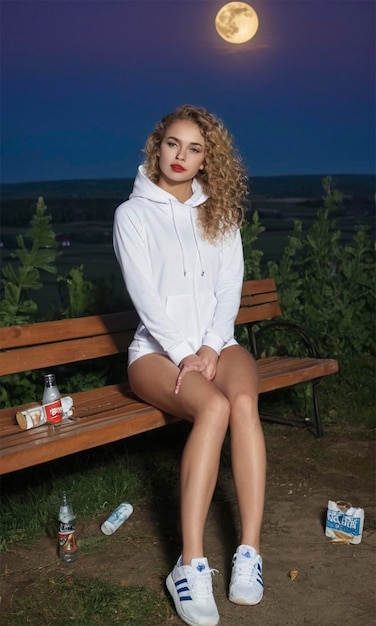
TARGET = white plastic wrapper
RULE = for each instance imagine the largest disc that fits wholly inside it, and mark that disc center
(36, 415)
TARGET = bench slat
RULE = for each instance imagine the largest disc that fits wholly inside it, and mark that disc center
(257, 313)
(280, 372)
(61, 352)
(115, 428)
(62, 330)
(259, 301)
(254, 287)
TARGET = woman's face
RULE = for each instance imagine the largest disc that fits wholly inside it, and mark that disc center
(182, 152)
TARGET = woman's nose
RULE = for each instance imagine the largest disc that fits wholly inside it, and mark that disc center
(180, 155)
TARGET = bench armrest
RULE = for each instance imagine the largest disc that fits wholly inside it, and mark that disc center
(279, 331)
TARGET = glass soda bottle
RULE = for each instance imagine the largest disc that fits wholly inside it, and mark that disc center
(68, 549)
(52, 400)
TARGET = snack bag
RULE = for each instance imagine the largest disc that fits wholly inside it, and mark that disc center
(344, 523)
(37, 415)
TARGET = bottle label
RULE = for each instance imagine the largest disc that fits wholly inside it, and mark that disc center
(67, 540)
(54, 412)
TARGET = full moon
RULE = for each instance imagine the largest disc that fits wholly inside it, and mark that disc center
(236, 22)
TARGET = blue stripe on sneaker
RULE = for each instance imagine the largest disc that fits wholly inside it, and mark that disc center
(183, 589)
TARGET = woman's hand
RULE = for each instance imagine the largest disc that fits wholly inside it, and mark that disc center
(204, 362)
(190, 363)
(210, 358)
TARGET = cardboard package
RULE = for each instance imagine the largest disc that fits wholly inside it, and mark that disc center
(344, 523)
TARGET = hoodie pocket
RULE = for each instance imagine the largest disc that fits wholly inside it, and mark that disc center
(181, 311)
(207, 305)
(193, 315)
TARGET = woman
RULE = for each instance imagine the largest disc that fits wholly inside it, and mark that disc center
(178, 243)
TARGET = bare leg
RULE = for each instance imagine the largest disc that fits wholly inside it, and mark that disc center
(238, 379)
(152, 378)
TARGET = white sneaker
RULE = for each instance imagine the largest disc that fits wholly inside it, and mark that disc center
(191, 589)
(246, 585)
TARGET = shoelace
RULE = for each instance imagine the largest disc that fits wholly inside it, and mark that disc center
(201, 584)
(245, 570)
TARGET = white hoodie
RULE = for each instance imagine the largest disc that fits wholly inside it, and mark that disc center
(185, 289)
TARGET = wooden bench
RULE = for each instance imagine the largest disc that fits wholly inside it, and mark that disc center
(111, 413)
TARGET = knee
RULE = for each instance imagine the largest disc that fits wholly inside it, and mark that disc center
(217, 412)
(244, 410)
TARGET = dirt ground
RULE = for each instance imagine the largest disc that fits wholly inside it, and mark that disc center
(335, 583)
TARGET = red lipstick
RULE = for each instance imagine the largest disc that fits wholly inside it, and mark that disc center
(177, 168)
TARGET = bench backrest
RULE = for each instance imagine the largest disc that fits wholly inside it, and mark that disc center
(46, 344)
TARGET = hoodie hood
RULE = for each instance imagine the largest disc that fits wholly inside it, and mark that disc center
(144, 188)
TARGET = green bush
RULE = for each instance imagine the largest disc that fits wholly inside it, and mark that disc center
(81, 293)
(324, 285)
(33, 256)
(20, 278)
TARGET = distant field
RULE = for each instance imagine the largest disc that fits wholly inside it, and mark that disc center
(82, 214)
(306, 186)
(99, 264)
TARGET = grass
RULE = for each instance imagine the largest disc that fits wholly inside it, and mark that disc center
(31, 498)
(97, 482)
(350, 396)
(82, 601)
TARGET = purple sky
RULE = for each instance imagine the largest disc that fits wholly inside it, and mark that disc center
(84, 81)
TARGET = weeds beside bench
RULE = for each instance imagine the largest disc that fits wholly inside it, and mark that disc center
(111, 413)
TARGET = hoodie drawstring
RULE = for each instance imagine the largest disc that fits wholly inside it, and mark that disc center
(181, 244)
(178, 238)
(197, 246)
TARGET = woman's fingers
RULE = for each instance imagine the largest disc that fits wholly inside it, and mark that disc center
(183, 369)
(178, 380)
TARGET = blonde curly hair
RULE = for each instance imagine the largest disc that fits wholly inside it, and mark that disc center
(223, 178)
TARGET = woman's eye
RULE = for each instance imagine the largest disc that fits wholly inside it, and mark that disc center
(171, 144)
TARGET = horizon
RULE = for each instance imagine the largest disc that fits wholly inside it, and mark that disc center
(359, 187)
(127, 178)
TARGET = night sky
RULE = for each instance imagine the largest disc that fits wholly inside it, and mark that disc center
(84, 81)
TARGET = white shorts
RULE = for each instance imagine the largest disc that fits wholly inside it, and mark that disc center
(141, 346)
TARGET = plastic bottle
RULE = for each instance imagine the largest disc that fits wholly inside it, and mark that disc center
(68, 550)
(52, 400)
(116, 518)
